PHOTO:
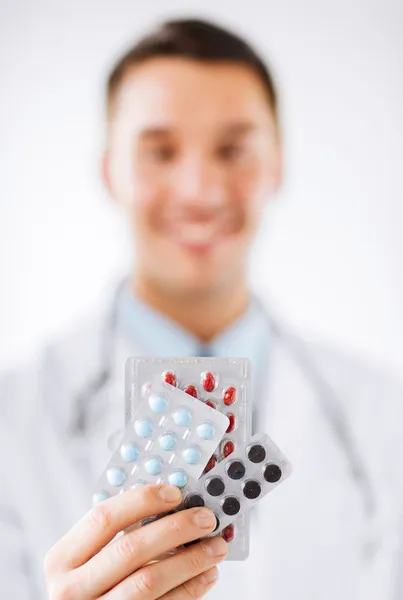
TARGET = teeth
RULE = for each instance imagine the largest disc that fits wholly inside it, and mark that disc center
(197, 234)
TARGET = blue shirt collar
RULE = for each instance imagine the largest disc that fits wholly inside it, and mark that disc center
(157, 335)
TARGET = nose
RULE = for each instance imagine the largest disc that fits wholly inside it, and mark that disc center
(197, 183)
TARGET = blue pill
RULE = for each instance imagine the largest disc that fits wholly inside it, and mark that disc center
(178, 478)
(143, 428)
(191, 455)
(182, 417)
(138, 484)
(158, 403)
(129, 452)
(116, 476)
(153, 466)
(100, 497)
(206, 431)
(168, 441)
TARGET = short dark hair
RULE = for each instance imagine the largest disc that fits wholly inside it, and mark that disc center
(193, 39)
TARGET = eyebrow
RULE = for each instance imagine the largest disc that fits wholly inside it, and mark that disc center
(239, 128)
(156, 131)
(160, 131)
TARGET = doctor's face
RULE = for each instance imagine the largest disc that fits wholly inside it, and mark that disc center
(193, 157)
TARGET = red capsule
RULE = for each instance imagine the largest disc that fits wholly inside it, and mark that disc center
(229, 396)
(211, 464)
(209, 382)
(231, 425)
(191, 390)
(170, 378)
(211, 403)
(228, 533)
(227, 448)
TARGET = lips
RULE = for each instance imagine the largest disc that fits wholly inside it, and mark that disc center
(200, 231)
(200, 238)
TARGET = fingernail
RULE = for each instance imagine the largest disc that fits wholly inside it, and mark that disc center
(216, 546)
(169, 493)
(209, 576)
(204, 518)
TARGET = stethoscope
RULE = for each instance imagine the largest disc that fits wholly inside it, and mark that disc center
(331, 403)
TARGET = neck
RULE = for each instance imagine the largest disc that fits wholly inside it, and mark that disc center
(203, 315)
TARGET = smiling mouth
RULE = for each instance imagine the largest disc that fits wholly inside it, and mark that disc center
(201, 238)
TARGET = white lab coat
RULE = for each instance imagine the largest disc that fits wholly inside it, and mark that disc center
(311, 538)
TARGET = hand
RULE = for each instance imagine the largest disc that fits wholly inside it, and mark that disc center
(84, 565)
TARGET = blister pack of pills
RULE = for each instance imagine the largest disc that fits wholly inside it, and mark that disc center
(221, 383)
(169, 440)
(239, 481)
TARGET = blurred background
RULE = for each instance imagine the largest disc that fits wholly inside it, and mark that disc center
(330, 255)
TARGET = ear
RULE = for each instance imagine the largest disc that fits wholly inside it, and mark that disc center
(106, 173)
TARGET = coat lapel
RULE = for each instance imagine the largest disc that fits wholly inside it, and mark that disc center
(317, 507)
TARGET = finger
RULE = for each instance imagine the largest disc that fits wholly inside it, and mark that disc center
(137, 548)
(155, 580)
(194, 588)
(101, 524)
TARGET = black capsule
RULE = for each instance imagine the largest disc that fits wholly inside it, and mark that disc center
(231, 506)
(252, 489)
(256, 453)
(194, 500)
(236, 470)
(272, 473)
(215, 486)
(217, 523)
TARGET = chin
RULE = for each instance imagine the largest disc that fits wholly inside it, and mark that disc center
(198, 282)
(202, 271)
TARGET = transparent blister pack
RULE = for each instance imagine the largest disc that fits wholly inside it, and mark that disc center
(223, 384)
(169, 440)
(239, 481)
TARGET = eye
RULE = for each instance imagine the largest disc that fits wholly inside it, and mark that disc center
(160, 153)
(230, 152)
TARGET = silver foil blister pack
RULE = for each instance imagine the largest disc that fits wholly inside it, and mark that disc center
(238, 481)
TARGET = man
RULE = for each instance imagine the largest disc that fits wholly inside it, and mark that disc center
(193, 158)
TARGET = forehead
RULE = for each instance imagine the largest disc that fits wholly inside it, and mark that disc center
(190, 93)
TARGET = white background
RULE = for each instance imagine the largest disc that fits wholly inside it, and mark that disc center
(331, 252)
